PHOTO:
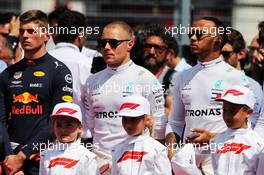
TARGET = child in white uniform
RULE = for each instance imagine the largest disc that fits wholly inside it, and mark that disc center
(239, 150)
(67, 156)
(139, 154)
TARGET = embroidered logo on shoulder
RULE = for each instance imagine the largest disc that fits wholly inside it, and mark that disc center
(17, 75)
(39, 74)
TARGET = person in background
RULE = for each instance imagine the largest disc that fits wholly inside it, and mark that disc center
(234, 51)
(156, 52)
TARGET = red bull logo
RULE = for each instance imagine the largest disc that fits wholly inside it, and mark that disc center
(25, 98)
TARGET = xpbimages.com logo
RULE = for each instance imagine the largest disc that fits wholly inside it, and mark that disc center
(188, 30)
(59, 30)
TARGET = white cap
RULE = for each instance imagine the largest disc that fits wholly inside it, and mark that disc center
(134, 106)
(239, 95)
(69, 110)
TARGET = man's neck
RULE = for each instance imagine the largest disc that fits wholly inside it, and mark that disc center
(176, 61)
(209, 57)
(125, 61)
(159, 71)
(35, 54)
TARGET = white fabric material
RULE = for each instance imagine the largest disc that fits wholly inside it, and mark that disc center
(183, 65)
(194, 96)
(3, 65)
(68, 159)
(67, 109)
(183, 162)
(134, 106)
(239, 95)
(238, 151)
(105, 88)
(90, 53)
(80, 68)
(141, 155)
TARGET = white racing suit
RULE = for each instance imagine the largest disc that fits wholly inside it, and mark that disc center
(68, 159)
(102, 102)
(194, 104)
(141, 155)
(238, 152)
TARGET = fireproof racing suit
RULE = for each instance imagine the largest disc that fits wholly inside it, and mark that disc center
(141, 155)
(68, 159)
(238, 151)
(194, 104)
(29, 90)
(195, 90)
(104, 90)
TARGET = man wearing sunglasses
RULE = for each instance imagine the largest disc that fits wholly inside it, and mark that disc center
(232, 52)
(195, 116)
(121, 78)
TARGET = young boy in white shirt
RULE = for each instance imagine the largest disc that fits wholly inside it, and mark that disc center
(139, 154)
(67, 156)
(239, 150)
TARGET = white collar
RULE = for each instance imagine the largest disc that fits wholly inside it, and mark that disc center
(210, 63)
(68, 45)
(120, 68)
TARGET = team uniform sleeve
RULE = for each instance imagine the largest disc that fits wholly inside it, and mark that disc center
(157, 106)
(3, 125)
(176, 118)
(89, 112)
(162, 164)
(62, 78)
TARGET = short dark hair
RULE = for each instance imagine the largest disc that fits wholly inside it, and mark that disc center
(218, 24)
(6, 17)
(35, 16)
(71, 19)
(160, 31)
(261, 34)
(236, 39)
(55, 15)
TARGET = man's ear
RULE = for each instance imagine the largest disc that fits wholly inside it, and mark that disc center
(242, 54)
(130, 44)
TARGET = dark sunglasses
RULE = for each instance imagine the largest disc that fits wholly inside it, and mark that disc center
(30, 31)
(112, 42)
(198, 33)
(227, 54)
(157, 48)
